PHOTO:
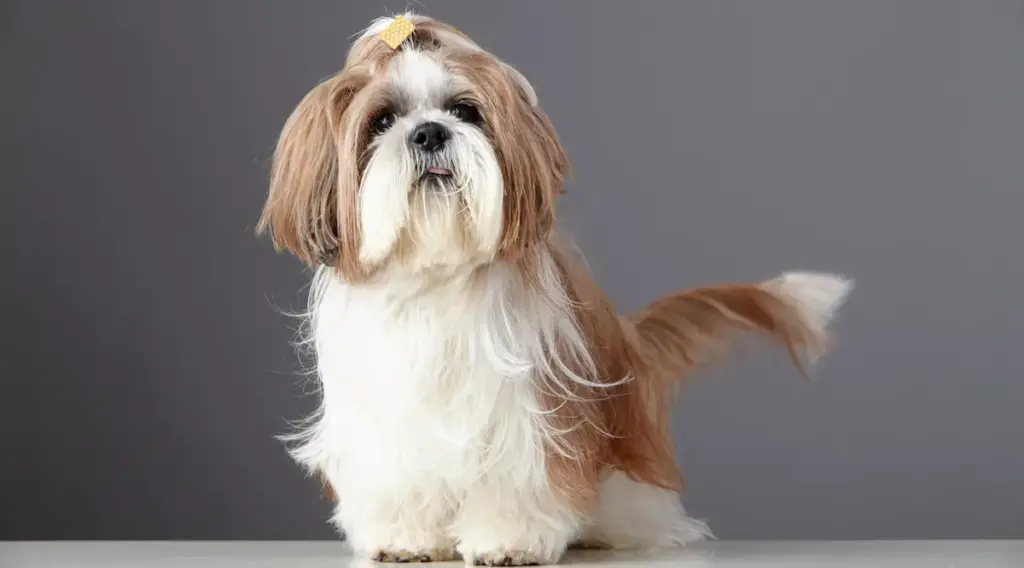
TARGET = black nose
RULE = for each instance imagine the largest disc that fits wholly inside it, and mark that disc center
(429, 136)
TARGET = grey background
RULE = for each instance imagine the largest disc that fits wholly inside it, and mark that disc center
(145, 369)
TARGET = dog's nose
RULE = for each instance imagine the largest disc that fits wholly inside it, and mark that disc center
(429, 136)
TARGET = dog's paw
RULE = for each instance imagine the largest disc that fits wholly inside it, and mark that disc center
(589, 544)
(402, 556)
(507, 558)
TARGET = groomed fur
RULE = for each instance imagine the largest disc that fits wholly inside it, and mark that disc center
(691, 327)
(480, 395)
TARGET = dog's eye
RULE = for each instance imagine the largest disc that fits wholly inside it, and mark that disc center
(465, 112)
(382, 121)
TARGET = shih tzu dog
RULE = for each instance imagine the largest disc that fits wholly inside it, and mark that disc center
(480, 396)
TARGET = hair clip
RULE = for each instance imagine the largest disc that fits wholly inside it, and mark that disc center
(397, 31)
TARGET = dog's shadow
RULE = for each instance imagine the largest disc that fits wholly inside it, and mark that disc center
(695, 556)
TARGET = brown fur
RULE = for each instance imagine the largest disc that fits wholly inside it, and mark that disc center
(689, 328)
(321, 152)
(627, 427)
(533, 162)
(630, 428)
(327, 489)
(310, 210)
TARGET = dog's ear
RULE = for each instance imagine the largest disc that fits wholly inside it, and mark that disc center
(534, 163)
(526, 90)
(301, 212)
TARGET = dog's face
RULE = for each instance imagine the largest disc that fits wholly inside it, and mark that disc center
(432, 155)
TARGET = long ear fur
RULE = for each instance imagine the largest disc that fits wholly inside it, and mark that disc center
(301, 211)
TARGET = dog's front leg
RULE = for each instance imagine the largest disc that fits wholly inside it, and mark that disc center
(502, 524)
(397, 525)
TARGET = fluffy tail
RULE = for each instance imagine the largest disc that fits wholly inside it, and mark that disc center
(688, 328)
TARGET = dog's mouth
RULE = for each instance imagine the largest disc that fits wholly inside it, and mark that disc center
(437, 172)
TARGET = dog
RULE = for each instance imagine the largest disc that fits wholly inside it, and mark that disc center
(480, 397)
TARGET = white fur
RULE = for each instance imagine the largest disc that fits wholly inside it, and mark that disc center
(816, 296)
(634, 515)
(462, 42)
(429, 431)
(468, 214)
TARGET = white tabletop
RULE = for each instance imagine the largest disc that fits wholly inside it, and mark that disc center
(733, 554)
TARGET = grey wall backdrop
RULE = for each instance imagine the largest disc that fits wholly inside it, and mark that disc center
(145, 369)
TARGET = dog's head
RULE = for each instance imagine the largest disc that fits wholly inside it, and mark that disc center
(432, 154)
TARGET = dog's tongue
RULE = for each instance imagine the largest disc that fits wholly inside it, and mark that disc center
(439, 171)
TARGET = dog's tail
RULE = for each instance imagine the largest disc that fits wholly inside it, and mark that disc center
(690, 328)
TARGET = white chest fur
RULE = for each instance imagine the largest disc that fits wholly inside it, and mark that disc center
(428, 407)
(423, 384)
